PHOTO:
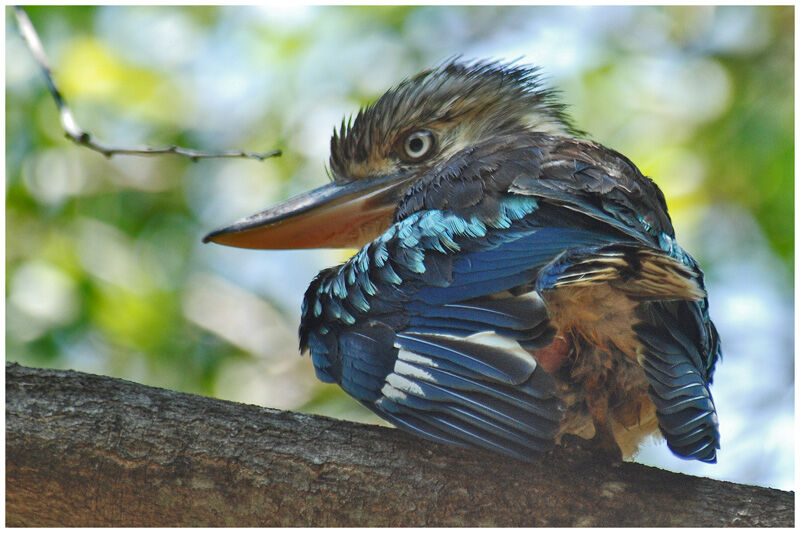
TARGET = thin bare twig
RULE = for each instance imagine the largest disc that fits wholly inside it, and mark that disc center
(84, 138)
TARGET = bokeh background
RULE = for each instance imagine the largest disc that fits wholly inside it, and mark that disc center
(105, 271)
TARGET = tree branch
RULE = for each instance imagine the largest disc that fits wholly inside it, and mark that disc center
(84, 450)
(84, 138)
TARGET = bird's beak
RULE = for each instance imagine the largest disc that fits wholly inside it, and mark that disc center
(333, 216)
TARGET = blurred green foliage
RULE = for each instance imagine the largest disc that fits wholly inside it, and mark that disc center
(751, 146)
(104, 267)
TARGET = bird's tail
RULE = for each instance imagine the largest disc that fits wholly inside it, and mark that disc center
(676, 346)
(677, 343)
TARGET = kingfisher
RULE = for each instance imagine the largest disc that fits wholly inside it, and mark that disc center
(514, 282)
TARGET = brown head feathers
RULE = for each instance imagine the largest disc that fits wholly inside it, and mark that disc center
(459, 103)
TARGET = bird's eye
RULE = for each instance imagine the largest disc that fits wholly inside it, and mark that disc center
(418, 145)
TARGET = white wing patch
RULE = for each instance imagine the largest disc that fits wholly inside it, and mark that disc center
(404, 384)
(392, 394)
(411, 357)
(405, 369)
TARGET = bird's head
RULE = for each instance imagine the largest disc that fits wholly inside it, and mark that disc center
(407, 132)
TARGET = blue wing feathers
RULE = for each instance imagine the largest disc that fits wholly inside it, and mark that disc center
(412, 423)
(509, 313)
(444, 427)
(432, 397)
(473, 436)
(482, 359)
(437, 295)
(424, 344)
(543, 408)
(438, 327)
(428, 302)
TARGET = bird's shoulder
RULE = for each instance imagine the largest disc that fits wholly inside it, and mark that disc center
(578, 174)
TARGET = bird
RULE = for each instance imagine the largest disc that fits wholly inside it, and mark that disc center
(516, 285)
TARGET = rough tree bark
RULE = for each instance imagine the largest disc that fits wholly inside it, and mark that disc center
(88, 450)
